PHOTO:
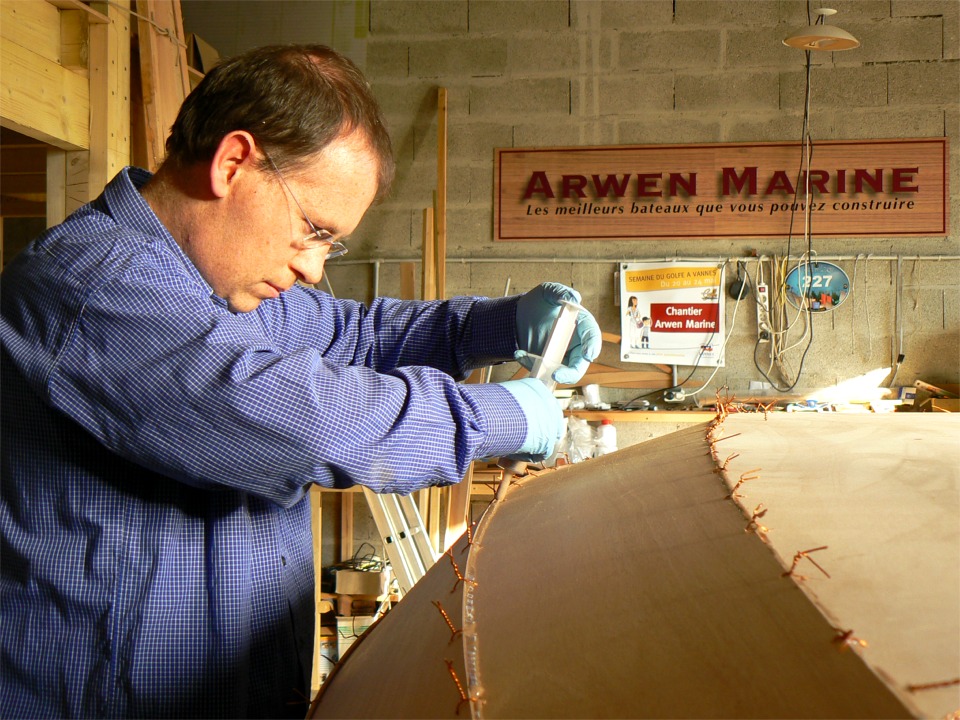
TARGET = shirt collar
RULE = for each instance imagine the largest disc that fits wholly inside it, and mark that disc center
(128, 207)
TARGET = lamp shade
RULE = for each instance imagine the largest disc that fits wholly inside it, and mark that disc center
(821, 37)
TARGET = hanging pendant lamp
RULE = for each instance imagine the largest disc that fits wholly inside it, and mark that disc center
(821, 36)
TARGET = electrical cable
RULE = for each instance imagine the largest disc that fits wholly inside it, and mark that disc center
(733, 324)
(898, 322)
(660, 391)
(778, 357)
(779, 334)
(853, 314)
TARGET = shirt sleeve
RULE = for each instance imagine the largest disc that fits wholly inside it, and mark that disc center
(455, 335)
(310, 390)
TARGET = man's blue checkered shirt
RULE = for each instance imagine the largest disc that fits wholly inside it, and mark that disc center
(157, 449)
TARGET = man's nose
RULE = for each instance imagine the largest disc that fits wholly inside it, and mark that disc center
(308, 265)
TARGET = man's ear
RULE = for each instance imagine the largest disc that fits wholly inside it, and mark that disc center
(236, 152)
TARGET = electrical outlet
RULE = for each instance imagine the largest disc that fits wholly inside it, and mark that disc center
(763, 313)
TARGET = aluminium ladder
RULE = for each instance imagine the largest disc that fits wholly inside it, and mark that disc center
(404, 536)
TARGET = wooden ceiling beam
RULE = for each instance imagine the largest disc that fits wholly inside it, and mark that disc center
(35, 92)
(93, 15)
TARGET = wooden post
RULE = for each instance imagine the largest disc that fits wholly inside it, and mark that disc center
(428, 276)
(316, 526)
(109, 95)
(407, 280)
(346, 525)
(165, 81)
(440, 496)
(441, 197)
(56, 191)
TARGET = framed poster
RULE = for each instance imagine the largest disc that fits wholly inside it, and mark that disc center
(672, 313)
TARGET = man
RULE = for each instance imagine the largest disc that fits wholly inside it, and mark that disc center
(170, 392)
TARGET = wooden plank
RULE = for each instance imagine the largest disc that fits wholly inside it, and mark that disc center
(441, 202)
(74, 40)
(346, 526)
(428, 276)
(601, 368)
(164, 76)
(941, 405)
(316, 526)
(34, 89)
(407, 280)
(92, 15)
(423, 502)
(433, 518)
(56, 186)
(607, 379)
(32, 24)
(660, 416)
(78, 165)
(109, 93)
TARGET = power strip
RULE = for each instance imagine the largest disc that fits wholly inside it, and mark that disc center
(674, 395)
(763, 313)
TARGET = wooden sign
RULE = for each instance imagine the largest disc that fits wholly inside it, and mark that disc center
(857, 188)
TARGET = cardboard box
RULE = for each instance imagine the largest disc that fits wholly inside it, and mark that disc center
(941, 405)
(359, 582)
(201, 55)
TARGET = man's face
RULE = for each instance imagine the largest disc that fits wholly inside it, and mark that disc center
(253, 253)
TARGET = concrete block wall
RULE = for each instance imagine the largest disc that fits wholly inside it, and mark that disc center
(596, 72)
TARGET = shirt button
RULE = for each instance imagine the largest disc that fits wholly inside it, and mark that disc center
(283, 560)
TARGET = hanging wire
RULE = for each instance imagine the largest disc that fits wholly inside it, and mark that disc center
(733, 324)
(897, 360)
(778, 346)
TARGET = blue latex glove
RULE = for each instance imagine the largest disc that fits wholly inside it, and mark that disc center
(544, 418)
(536, 311)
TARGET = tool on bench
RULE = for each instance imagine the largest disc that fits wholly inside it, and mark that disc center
(543, 369)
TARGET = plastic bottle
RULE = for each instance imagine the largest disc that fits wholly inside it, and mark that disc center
(606, 438)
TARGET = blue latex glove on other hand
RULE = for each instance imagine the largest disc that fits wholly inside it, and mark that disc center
(536, 312)
(544, 419)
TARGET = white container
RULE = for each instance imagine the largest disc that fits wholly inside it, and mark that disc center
(591, 395)
(606, 438)
(328, 657)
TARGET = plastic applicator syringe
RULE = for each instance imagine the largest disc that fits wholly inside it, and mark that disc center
(543, 369)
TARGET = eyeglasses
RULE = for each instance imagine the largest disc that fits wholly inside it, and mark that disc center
(319, 238)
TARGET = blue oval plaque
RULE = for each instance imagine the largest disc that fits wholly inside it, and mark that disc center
(817, 286)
